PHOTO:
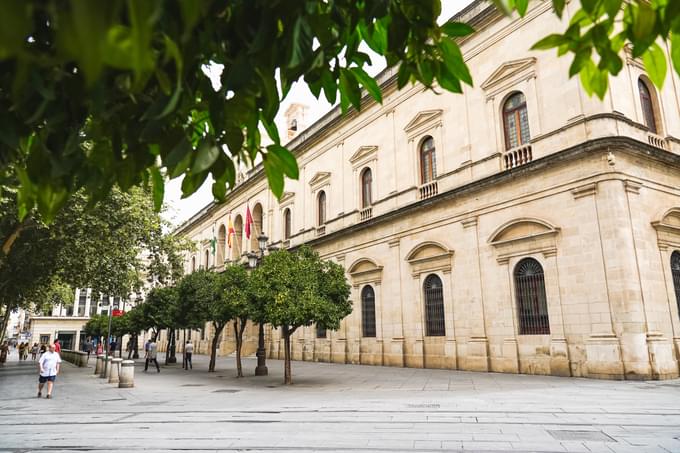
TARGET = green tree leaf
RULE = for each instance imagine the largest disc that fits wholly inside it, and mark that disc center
(206, 156)
(655, 64)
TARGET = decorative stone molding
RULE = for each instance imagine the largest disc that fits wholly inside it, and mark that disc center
(632, 186)
(363, 155)
(524, 236)
(508, 74)
(469, 222)
(429, 256)
(585, 190)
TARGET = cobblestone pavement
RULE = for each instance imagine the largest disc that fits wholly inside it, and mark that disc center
(335, 408)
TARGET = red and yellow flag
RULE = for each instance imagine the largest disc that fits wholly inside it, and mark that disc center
(230, 231)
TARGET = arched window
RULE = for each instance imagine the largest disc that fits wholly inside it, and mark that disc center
(256, 230)
(221, 244)
(193, 263)
(532, 306)
(207, 258)
(675, 270)
(293, 125)
(516, 121)
(434, 306)
(321, 208)
(286, 224)
(368, 311)
(320, 332)
(366, 183)
(647, 104)
(428, 164)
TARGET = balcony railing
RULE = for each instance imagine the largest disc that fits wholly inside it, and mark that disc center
(428, 190)
(366, 213)
(517, 156)
(657, 142)
(321, 230)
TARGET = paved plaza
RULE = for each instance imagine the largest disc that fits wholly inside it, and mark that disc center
(335, 408)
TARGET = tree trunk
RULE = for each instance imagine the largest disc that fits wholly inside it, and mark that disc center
(135, 347)
(173, 346)
(213, 347)
(239, 328)
(287, 378)
(3, 323)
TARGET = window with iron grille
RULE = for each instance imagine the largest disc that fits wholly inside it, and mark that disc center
(321, 209)
(428, 164)
(532, 306)
(368, 311)
(675, 271)
(516, 121)
(434, 306)
(366, 182)
(647, 106)
(320, 332)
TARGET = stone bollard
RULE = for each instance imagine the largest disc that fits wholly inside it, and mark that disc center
(115, 371)
(106, 368)
(126, 378)
(99, 365)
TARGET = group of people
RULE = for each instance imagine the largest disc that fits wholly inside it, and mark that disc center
(151, 352)
(23, 349)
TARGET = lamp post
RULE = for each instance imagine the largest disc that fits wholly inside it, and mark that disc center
(253, 261)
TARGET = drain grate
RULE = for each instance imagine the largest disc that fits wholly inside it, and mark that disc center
(423, 406)
(597, 436)
(192, 385)
(225, 391)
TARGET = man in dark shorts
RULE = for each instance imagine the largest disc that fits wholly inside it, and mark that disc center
(48, 365)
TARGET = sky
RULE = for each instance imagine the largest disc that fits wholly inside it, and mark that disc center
(178, 209)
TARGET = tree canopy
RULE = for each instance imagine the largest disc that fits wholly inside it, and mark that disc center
(96, 95)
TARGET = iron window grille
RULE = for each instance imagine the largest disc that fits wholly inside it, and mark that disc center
(434, 307)
(368, 311)
(320, 332)
(675, 271)
(532, 305)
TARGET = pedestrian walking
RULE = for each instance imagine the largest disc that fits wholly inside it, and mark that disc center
(128, 348)
(88, 349)
(22, 347)
(48, 365)
(27, 347)
(34, 351)
(4, 350)
(43, 348)
(57, 346)
(188, 352)
(151, 355)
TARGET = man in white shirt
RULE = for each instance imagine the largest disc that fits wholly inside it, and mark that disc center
(48, 365)
(151, 355)
(188, 352)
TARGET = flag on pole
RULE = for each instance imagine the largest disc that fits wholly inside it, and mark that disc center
(230, 231)
(249, 221)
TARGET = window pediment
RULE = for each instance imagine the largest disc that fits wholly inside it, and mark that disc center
(286, 197)
(429, 256)
(365, 270)
(423, 119)
(668, 229)
(524, 236)
(363, 154)
(319, 179)
(509, 73)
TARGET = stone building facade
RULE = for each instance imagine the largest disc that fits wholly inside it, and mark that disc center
(519, 227)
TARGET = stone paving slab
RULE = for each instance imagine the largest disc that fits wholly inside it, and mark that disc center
(335, 408)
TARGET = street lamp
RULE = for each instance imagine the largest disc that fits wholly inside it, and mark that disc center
(253, 261)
